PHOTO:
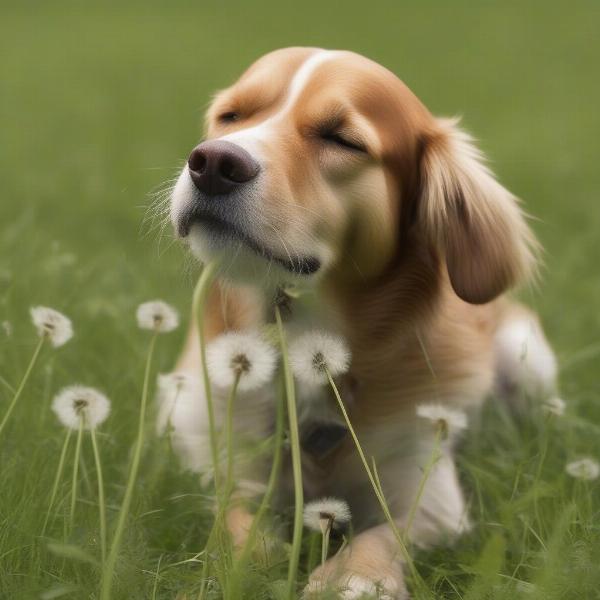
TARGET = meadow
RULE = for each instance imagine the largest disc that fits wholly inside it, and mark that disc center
(100, 105)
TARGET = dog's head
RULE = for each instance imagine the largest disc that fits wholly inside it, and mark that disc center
(318, 161)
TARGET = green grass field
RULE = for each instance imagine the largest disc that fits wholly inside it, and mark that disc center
(101, 103)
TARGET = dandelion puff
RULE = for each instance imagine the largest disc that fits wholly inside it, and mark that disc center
(75, 402)
(325, 513)
(445, 419)
(585, 468)
(157, 316)
(52, 325)
(316, 352)
(243, 355)
(555, 406)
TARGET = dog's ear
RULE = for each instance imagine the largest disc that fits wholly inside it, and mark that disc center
(474, 222)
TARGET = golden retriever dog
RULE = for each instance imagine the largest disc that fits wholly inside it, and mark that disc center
(321, 168)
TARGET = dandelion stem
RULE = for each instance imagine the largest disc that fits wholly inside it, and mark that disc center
(265, 502)
(275, 467)
(374, 484)
(19, 391)
(57, 478)
(75, 473)
(101, 500)
(325, 542)
(109, 566)
(199, 305)
(229, 439)
(296, 460)
(433, 458)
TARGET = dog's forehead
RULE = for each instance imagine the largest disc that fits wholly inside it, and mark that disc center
(281, 64)
(298, 67)
(313, 77)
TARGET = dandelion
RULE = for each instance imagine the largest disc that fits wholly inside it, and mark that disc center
(445, 420)
(52, 325)
(324, 515)
(585, 468)
(243, 356)
(158, 316)
(77, 408)
(314, 354)
(555, 406)
(238, 361)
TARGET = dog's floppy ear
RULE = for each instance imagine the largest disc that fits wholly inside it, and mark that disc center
(475, 223)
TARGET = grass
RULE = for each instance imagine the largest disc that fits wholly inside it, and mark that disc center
(102, 102)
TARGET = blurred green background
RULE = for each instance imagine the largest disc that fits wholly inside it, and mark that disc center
(100, 103)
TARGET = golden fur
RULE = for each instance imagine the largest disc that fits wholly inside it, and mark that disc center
(418, 242)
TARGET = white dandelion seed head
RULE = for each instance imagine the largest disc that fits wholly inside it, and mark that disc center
(314, 352)
(555, 406)
(326, 512)
(158, 316)
(52, 325)
(584, 468)
(449, 420)
(78, 402)
(243, 353)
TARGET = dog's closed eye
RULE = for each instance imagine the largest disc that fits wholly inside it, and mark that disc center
(345, 141)
(229, 116)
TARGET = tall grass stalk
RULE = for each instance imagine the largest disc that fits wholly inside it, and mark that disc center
(101, 500)
(111, 561)
(376, 487)
(74, 480)
(19, 391)
(290, 394)
(201, 292)
(57, 478)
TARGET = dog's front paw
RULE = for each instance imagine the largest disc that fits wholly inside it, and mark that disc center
(347, 585)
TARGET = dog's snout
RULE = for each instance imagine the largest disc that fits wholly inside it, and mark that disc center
(217, 166)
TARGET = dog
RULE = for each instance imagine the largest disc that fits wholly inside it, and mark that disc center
(321, 168)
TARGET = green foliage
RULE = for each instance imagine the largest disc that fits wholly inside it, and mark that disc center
(101, 102)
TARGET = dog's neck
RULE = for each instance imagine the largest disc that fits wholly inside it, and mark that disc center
(402, 295)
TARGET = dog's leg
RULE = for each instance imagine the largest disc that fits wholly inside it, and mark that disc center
(373, 564)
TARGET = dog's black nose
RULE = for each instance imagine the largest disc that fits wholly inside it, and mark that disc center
(217, 166)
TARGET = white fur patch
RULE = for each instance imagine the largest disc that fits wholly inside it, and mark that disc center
(251, 138)
(524, 360)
